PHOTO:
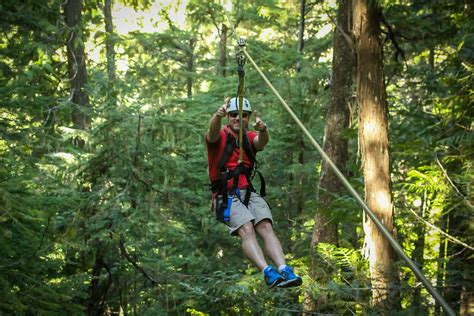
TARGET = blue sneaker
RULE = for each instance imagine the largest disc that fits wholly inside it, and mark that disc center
(272, 277)
(290, 278)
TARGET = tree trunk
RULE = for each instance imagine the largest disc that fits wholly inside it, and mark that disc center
(97, 293)
(373, 142)
(335, 146)
(222, 51)
(299, 180)
(467, 302)
(110, 53)
(189, 79)
(459, 278)
(296, 179)
(77, 66)
(301, 32)
(337, 121)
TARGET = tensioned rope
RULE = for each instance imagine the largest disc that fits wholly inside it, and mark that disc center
(398, 249)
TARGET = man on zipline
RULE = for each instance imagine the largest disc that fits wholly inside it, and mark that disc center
(235, 201)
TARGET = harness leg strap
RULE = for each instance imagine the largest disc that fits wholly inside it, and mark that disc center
(226, 215)
(227, 211)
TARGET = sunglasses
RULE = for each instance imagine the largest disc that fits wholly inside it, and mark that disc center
(234, 114)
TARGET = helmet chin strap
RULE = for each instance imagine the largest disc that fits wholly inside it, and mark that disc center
(240, 93)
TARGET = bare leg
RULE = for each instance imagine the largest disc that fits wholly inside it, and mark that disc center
(272, 245)
(250, 245)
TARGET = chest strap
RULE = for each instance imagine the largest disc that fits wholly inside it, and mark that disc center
(231, 145)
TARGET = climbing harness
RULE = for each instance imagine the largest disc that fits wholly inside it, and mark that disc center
(396, 246)
(222, 195)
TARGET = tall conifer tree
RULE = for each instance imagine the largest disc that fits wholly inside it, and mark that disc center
(77, 70)
(373, 140)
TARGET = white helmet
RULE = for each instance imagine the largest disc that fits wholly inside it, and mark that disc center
(232, 105)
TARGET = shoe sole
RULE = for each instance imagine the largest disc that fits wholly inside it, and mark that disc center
(290, 283)
(276, 283)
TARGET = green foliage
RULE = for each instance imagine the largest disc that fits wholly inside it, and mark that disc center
(133, 203)
(431, 133)
(349, 286)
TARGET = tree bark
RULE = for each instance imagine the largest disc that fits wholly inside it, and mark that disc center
(467, 302)
(190, 66)
(77, 66)
(301, 32)
(222, 51)
(299, 181)
(296, 198)
(373, 142)
(458, 290)
(325, 228)
(337, 121)
(97, 292)
(110, 53)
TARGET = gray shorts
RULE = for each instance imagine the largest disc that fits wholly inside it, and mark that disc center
(257, 210)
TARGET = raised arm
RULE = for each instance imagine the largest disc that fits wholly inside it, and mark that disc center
(262, 138)
(214, 131)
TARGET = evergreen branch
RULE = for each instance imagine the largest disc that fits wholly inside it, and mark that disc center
(348, 39)
(35, 252)
(309, 6)
(129, 258)
(464, 199)
(391, 36)
(137, 177)
(214, 22)
(451, 238)
(298, 312)
(135, 159)
(325, 257)
(414, 287)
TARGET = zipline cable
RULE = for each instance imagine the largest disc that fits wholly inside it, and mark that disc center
(398, 249)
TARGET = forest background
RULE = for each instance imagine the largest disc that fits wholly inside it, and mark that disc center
(104, 203)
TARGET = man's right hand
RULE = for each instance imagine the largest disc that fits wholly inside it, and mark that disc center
(214, 131)
(222, 111)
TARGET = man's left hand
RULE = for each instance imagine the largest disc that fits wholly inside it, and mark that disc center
(259, 125)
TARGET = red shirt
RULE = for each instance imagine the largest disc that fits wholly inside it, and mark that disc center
(215, 151)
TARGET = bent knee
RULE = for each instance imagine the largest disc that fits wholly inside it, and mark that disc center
(247, 231)
(265, 226)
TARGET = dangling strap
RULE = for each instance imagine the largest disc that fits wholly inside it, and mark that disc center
(262, 184)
